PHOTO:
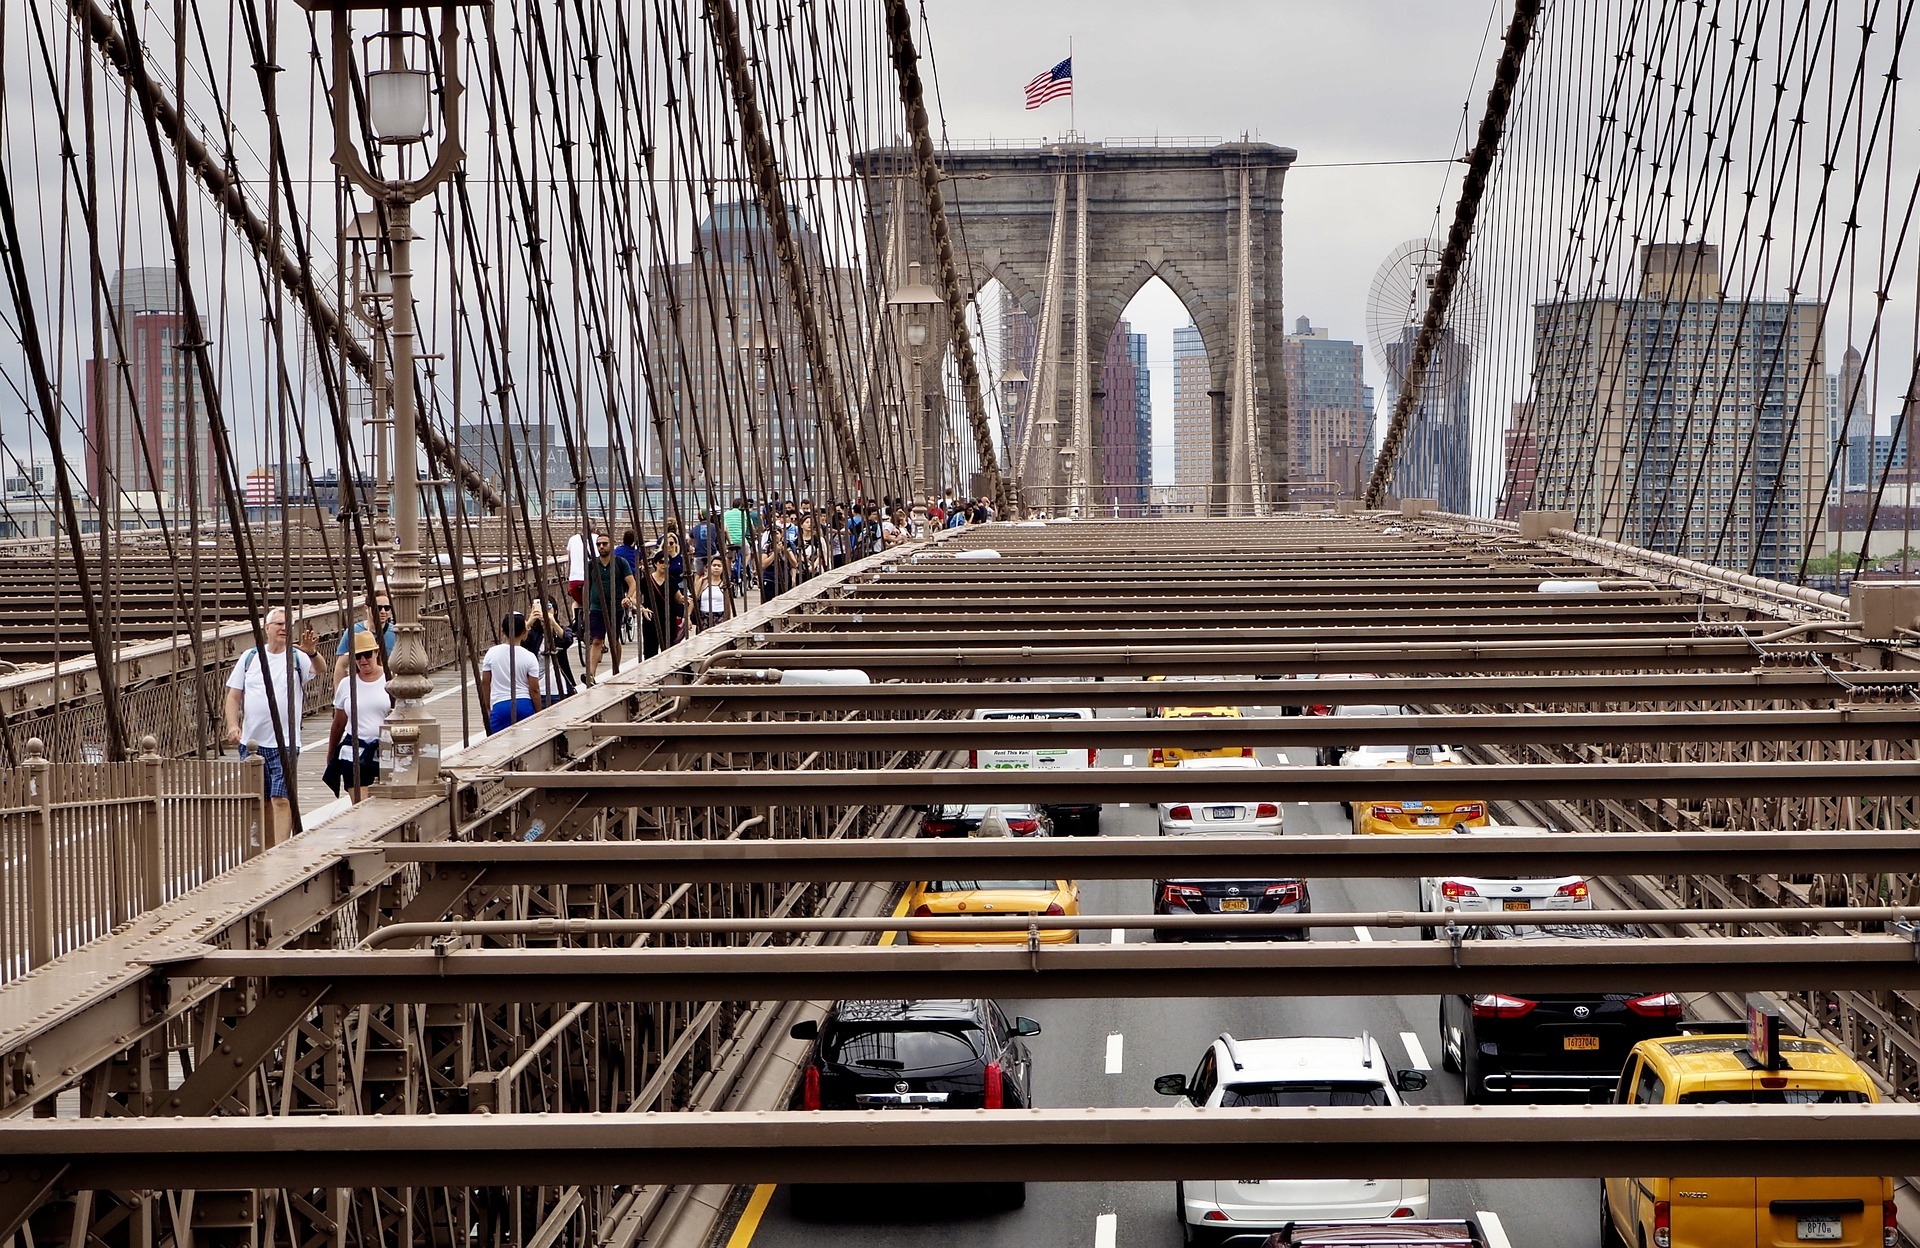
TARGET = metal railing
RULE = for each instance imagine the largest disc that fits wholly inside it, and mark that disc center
(85, 847)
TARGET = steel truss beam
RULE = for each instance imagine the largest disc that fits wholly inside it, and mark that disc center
(1868, 723)
(1538, 782)
(1800, 684)
(971, 662)
(1153, 857)
(1317, 969)
(1045, 1145)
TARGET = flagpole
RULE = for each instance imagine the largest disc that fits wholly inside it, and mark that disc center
(1073, 125)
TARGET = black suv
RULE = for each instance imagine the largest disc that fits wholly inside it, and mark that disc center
(962, 1054)
(1555, 1043)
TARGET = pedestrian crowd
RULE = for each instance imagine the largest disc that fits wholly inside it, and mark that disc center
(685, 579)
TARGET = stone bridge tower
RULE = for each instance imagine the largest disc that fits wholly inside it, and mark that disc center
(1074, 230)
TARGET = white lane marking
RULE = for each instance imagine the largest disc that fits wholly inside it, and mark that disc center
(1119, 935)
(1106, 1231)
(1114, 1043)
(1495, 1232)
(1363, 935)
(1415, 1054)
(1126, 759)
(1125, 805)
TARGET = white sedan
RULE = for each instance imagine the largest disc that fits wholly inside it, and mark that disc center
(1470, 890)
(1222, 817)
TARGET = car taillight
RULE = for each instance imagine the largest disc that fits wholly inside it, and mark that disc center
(973, 758)
(1889, 1225)
(1662, 1224)
(1180, 812)
(1468, 810)
(812, 1088)
(1576, 890)
(996, 1095)
(1320, 708)
(1660, 1005)
(1158, 758)
(923, 912)
(937, 827)
(1055, 908)
(1285, 892)
(1179, 894)
(1494, 1005)
(1454, 890)
(1266, 810)
(1023, 827)
(1384, 808)
(1091, 751)
(1246, 751)
(1402, 1212)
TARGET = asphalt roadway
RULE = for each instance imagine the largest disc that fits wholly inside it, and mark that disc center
(1074, 1066)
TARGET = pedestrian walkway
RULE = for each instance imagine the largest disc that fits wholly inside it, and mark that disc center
(317, 802)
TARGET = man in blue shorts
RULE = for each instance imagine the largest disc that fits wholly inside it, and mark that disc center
(270, 725)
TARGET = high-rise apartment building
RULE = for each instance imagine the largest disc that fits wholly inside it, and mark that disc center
(1683, 420)
(1125, 444)
(729, 365)
(1192, 420)
(1435, 459)
(1327, 409)
(147, 431)
(1520, 465)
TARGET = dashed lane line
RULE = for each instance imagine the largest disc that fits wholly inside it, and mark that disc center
(1416, 1055)
(1106, 1231)
(1115, 1043)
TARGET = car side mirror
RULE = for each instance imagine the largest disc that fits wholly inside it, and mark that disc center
(1024, 1026)
(1410, 1080)
(809, 1030)
(1171, 1085)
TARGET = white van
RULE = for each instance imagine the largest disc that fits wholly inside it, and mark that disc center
(1070, 819)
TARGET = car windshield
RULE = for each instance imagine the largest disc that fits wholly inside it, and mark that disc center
(1304, 1092)
(908, 1049)
(1775, 1096)
(969, 886)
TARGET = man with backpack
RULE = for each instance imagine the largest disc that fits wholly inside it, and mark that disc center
(266, 696)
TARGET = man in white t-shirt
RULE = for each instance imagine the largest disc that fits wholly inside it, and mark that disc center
(268, 723)
(579, 550)
(510, 677)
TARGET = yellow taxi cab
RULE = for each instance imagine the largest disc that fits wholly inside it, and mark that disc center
(1720, 1065)
(1173, 756)
(994, 898)
(1411, 815)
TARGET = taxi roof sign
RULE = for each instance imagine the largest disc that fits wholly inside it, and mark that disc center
(1763, 1035)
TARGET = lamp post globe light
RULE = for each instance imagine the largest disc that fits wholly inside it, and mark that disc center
(399, 113)
(913, 304)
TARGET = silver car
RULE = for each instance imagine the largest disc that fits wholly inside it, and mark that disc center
(1474, 891)
(1229, 815)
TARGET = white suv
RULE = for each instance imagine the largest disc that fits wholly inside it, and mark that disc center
(1292, 1070)
(1073, 818)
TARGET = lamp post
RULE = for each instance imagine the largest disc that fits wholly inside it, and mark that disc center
(398, 114)
(914, 303)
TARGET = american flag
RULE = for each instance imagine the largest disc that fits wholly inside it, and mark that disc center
(1051, 85)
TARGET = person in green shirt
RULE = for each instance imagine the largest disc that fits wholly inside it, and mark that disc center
(610, 585)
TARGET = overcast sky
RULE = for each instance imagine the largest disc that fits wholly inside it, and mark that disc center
(1355, 81)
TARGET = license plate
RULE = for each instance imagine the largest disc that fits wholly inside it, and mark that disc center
(1428, 821)
(1587, 1044)
(1516, 905)
(1819, 1228)
(1234, 904)
(1223, 812)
